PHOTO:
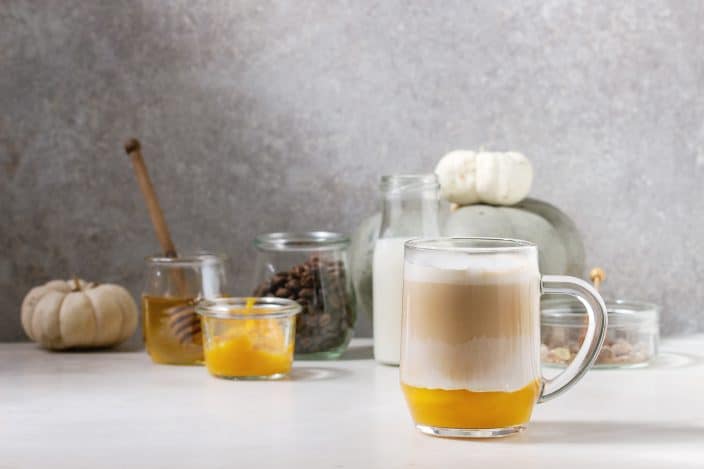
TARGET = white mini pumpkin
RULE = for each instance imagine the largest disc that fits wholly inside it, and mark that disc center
(468, 177)
(77, 314)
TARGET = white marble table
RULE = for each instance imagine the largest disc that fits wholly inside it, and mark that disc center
(94, 410)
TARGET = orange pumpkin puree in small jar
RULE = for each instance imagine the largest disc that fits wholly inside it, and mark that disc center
(248, 338)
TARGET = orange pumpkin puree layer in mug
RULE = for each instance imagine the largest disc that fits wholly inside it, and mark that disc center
(471, 409)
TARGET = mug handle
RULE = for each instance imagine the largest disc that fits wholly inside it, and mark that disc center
(594, 339)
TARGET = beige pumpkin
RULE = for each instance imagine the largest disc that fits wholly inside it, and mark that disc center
(77, 314)
(469, 177)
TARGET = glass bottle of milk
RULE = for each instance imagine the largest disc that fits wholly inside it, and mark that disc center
(409, 210)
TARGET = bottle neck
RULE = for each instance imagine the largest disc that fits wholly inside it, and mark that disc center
(409, 214)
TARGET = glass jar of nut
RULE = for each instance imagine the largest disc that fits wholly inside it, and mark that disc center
(310, 268)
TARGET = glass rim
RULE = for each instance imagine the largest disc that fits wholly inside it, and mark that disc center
(222, 308)
(408, 182)
(621, 312)
(484, 245)
(425, 177)
(186, 259)
(301, 241)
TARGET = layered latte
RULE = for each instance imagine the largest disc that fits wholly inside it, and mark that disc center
(471, 338)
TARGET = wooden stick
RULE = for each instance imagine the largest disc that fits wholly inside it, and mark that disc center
(133, 150)
(184, 322)
(597, 276)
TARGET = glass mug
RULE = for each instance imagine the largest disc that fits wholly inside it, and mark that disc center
(470, 345)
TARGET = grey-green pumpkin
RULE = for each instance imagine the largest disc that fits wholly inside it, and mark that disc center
(560, 247)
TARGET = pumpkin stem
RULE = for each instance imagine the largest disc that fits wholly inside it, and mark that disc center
(76, 284)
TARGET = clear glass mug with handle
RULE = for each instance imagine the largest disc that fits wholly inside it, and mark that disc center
(470, 346)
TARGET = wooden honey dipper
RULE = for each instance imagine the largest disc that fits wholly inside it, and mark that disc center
(597, 275)
(183, 321)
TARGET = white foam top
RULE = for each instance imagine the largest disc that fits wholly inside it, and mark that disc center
(463, 268)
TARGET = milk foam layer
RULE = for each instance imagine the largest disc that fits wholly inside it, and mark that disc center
(472, 321)
(481, 364)
(463, 268)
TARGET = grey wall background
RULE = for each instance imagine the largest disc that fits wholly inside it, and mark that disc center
(274, 115)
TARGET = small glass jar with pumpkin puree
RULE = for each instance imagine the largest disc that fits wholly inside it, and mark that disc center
(248, 338)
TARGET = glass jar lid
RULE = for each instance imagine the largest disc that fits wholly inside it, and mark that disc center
(301, 241)
(621, 313)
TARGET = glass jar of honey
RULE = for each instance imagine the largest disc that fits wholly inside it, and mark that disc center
(173, 285)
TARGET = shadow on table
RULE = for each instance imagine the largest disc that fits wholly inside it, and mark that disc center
(358, 352)
(664, 361)
(617, 433)
(122, 348)
(315, 373)
(676, 360)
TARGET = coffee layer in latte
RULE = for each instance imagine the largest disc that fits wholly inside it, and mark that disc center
(472, 321)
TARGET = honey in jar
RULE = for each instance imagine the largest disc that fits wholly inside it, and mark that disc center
(172, 328)
(164, 344)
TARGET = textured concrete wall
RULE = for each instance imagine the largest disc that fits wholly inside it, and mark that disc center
(274, 115)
